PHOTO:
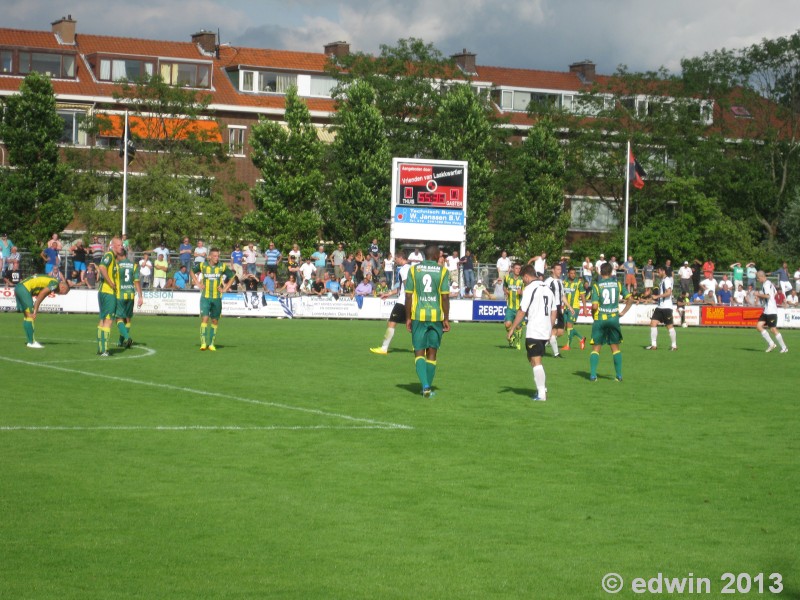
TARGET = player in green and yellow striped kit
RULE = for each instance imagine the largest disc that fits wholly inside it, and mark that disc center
(107, 294)
(512, 288)
(427, 314)
(211, 297)
(126, 277)
(573, 288)
(30, 293)
(606, 294)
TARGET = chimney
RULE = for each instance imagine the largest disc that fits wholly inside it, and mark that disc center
(64, 30)
(584, 69)
(466, 62)
(207, 40)
(337, 49)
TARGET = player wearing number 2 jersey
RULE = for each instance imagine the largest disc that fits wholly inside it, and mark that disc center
(427, 314)
(606, 294)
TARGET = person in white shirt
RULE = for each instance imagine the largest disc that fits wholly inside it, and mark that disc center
(398, 314)
(739, 296)
(452, 262)
(725, 283)
(663, 312)
(250, 255)
(600, 262)
(537, 305)
(200, 253)
(709, 287)
(539, 263)
(145, 270)
(307, 270)
(797, 280)
(769, 318)
(479, 291)
(415, 257)
(586, 270)
(685, 275)
(503, 265)
(792, 299)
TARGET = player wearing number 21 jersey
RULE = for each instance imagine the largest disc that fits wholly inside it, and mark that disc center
(607, 292)
(427, 314)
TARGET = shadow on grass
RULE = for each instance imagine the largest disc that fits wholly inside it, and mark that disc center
(585, 375)
(524, 392)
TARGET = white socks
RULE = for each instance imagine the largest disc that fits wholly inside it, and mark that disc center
(673, 337)
(779, 339)
(387, 338)
(539, 380)
(554, 344)
(653, 335)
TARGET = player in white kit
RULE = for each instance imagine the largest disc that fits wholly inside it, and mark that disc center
(769, 318)
(663, 312)
(399, 310)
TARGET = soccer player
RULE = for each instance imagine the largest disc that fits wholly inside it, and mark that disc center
(129, 288)
(427, 314)
(399, 310)
(107, 294)
(557, 287)
(769, 318)
(663, 312)
(538, 303)
(512, 288)
(40, 286)
(211, 298)
(573, 288)
(606, 294)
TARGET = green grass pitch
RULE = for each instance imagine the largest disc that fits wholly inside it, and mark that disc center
(293, 463)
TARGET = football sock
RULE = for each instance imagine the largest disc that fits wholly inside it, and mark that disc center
(430, 369)
(554, 344)
(203, 334)
(213, 335)
(594, 360)
(104, 333)
(618, 363)
(27, 325)
(387, 338)
(765, 335)
(673, 337)
(653, 335)
(422, 371)
(123, 331)
(779, 339)
(539, 380)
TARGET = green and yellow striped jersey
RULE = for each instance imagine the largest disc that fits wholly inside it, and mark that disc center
(427, 282)
(606, 294)
(125, 277)
(573, 290)
(36, 283)
(109, 261)
(514, 285)
(212, 278)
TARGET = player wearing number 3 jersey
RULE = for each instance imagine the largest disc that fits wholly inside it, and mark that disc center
(606, 294)
(427, 314)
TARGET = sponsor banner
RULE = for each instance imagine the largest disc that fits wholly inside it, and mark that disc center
(789, 317)
(168, 302)
(488, 310)
(439, 185)
(428, 216)
(731, 316)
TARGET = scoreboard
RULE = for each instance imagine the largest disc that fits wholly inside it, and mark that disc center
(439, 186)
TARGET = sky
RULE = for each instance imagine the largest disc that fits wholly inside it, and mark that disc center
(532, 34)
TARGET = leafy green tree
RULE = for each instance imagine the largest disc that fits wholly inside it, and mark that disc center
(357, 205)
(531, 217)
(288, 199)
(32, 205)
(463, 128)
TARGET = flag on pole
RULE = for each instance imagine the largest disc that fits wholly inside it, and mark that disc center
(128, 148)
(635, 171)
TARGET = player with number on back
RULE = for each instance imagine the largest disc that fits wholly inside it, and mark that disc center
(663, 313)
(427, 314)
(606, 294)
(211, 296)
(539, 304)
(128, 289)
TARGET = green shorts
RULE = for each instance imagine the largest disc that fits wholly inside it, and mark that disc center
(511, 314)
(211, 307)
(125, 309)
(24, 298)
(107, 304)
(569, 318)
(426, 334)
(606, 331)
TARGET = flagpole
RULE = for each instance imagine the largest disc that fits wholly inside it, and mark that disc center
(627, 196)
(125, 178)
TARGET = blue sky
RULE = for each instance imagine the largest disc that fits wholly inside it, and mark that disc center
(534, 34)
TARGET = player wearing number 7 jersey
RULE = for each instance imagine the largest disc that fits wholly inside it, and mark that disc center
(606, 294)
(427, 314)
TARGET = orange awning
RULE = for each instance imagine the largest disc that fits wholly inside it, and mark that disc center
(160, 128)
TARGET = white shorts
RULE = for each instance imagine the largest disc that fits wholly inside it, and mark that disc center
(786, 286)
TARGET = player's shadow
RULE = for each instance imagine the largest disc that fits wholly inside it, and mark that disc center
(585, 375)
(412, 388)
(524, 392)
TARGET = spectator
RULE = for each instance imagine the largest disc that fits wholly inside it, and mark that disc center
(724, 296)
(50, 256)
(697, 274)
(374, 250)
(738, 276)
(381, 287)
(452, 262)
(337, 258)
(181, 279)
(96, 250)
(289, 288)
(200, 253)
(503, 265)
(784, 283)
(668, 267)
(599, 263)
(237, 257)
(797, 280)
(293, 266)
(416, 257)
(454, 289)
(126, 246)
(54, 239)
(629, 267)
(750, 298)
(648, 274)
(333, 287)
(587, 267)
(479, 291)
(159, 250)
(365, 287)
(614, 266)
(442, 258)
(160, 268)
(726, 283)
(685, 274)
(250, 257)
(739, 296)
(272, 258)
(539, 263)
(780, 298)
(11, 273)
(91, 275)
(499, 289)
(307, 271)
(792, 299)
(751, 271)
(269, 283)
(185, 252)
(145, 270)
(79, 254)
(349, 266)
(698, 298)
(708, 269)
(5, 250)
(348, 285)
(388, 269)
(320, 260)
(318, 287)
(709, 287)
(250, 284)
(468, 270)
(295, 252)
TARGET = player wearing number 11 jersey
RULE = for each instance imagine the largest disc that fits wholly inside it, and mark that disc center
(606, 294)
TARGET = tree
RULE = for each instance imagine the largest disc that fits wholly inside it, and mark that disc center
(357, 205)
(463, 128)
(531, 217)
(32, 205)
(288, 199)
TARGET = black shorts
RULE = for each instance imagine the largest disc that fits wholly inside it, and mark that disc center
(768, 320)
(663, 315)
(398, 313)
(559, 324)
(535, 347)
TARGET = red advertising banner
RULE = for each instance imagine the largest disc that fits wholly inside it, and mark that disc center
(731, 316)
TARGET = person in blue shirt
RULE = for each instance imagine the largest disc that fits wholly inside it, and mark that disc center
(182, 278)
(236, 255)
(320, 259)
(50, 256)
(185, 252)
(272, 257)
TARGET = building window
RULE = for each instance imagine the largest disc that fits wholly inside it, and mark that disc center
(6, 61)
(322, 85)
(236, 140)
(186, 74)
(130, 70)
(72, 133)
(54, 65)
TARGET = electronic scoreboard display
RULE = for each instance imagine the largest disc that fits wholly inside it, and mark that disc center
(434, 186)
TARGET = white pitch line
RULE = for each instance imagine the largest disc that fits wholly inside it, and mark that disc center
(147, 353)
(187, 427)
(176, 388)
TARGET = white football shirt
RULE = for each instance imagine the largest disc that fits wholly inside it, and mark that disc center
(769, 288)
(666, 301)
(538, 302)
